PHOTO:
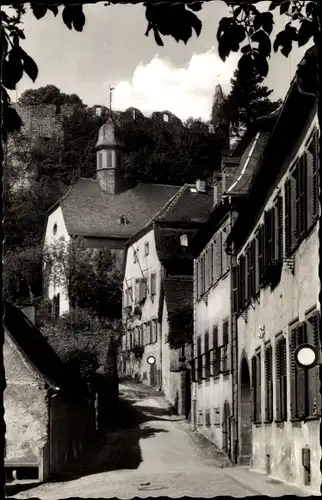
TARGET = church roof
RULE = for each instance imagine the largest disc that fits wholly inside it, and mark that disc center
(108, 135)
(90, 211)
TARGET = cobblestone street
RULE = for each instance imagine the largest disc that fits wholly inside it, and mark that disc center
(153, 453)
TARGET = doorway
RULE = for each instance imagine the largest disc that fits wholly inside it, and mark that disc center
(226, 434)
(187, 395)
(153, 374)
(245, 414)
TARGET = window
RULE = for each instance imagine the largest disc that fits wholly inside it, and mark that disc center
(234, 289)
(146, 248)
(55, 228)
(216, 351)
(124, 221)
(313, 383)
(145, 336)
(269, 238)
(207, 418)
(218, 256)
(301, 205)
(217, 416)
(312, 163)
(206, 257)
(225, 256)
(251, 269)
(281, 379)
(256, 386)
(242, 282)
(305, 393)
(135, 255)
(225, 347)
(153, 285)
(202, 274)
(109, 158)
(289, 211)
(143, 289)
(260, 240)
(141, 335)
(199, 360)
(268, 383)
(150, 332)
(99, 161)
(298, 382)
(154, 330)
(278, 227)
(207, 356)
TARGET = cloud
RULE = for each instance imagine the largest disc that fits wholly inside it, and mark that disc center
(185, 91)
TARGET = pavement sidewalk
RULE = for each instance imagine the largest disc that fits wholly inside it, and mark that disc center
(263, 484)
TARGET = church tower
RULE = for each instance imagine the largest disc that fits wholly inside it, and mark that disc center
(220, 124)
(110, 158)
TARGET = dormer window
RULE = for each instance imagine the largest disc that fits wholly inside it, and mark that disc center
(55, 228)
(166, 117)
(124, 221)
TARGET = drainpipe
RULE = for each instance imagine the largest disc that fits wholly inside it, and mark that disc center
(234, 416)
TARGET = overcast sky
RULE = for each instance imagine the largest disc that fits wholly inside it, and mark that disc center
(113, 50)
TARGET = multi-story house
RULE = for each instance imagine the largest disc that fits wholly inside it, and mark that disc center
(213, 365)
(104, 212)
(274, 242)
(157, 293)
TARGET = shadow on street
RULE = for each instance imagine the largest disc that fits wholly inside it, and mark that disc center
(119, 448)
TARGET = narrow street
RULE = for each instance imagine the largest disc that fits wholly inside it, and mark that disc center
(151, 453)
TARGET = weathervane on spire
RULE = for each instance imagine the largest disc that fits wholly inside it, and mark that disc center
(111, 92)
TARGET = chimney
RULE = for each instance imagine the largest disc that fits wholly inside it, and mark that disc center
(229, 169)
(217, 184)
(201, 186)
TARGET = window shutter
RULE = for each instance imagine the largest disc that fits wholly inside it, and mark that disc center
(300, 179)
(268, 384)
(218, 256)
(314, 395)
(301, 375)
(267, 239)
(259, 241)
(202, 262)
(210, 260)
(214, 249)
(294, 413)
(254, 377)
(207, 270)
(288, 216)
(310, 187)
(248, 273)
(242, 282)
(198, 279)
(278, 407)
(153, 284)
(272, 237)
(279, 229)
(258, 388)
(225, 257)
(234, 289)
(283, 379)
(216, 353)
(315, 180)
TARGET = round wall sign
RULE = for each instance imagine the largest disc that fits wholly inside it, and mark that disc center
(306, 355)
(151, 360)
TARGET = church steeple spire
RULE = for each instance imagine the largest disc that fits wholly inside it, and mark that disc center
(110, 150)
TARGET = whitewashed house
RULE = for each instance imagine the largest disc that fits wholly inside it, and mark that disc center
(157, 286)
(275, 248)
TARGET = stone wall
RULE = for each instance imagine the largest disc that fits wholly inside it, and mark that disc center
(25, 409)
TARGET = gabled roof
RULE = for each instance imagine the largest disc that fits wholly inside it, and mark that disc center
(35, 348)
(294, 119)
(189, 206)
(90, 211)
(248, 164)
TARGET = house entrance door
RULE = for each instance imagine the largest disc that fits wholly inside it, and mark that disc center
(226, 434)
(153, 374)
(245, 415)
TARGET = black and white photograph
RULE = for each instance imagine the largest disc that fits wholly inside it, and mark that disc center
(161, 291)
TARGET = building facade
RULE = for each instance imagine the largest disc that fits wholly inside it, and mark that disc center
(158, 290)
(212, 342)
(275, 302)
